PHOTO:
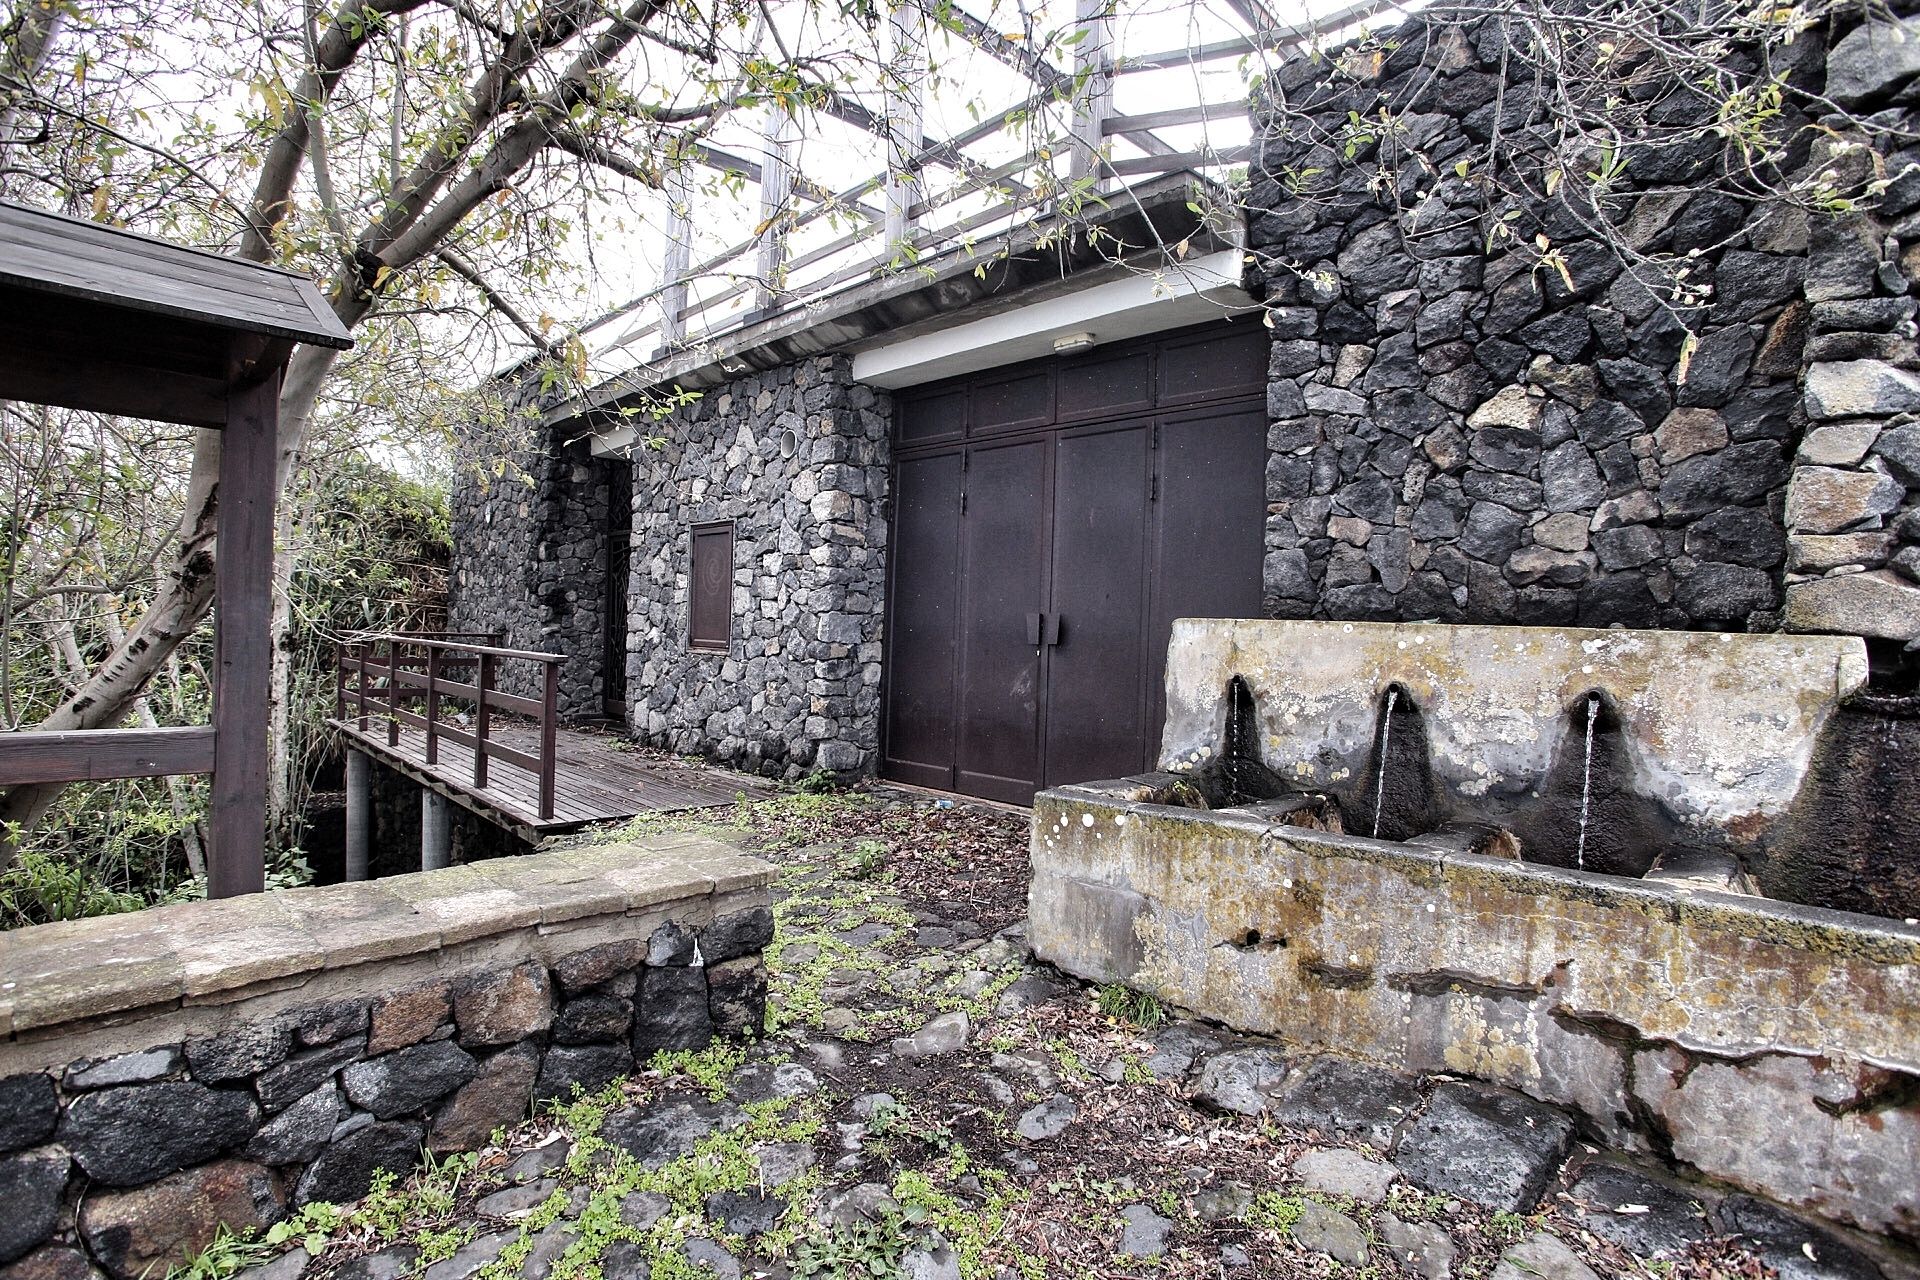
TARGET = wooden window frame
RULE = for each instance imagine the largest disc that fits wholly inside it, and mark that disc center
(696, 531)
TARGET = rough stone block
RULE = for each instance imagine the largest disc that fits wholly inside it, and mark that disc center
(331, 1022)
(1873, 59)
(732, 936)
(31, 1184)
(344, 1171)
(1830, 500)
(238, 1051)
(504, 1006)
(1816, 553)
(497, 1097)
(1860, 389)
(303, 1073)
(407, 1017)
(737, 996)
(148, 1230)
(1341, 1096)
(408, 1080)
(1542, 1257)
(583, 1068)
(125, 1136)
(1875, 603)
(126, 1068)
(1795, 1249)
(1486, 1145)
(1640, 1214)
(670, 1011)
(28, 1110)
(299, 1133)
(59, 1262)
(1840, 444)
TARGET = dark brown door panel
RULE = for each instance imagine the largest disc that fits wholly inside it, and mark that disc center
(1094, 710)
(1209, 535)
(1004, 536)
(1036, 576)
(923, 633)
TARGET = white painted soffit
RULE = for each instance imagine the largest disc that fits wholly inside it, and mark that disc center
(1142, 302)
(1203, 289)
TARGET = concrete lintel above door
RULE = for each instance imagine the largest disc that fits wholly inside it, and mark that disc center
(1136, 303)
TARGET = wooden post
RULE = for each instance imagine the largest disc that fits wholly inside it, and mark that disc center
(673, 297)
(1093, 96)
(243, 645)
(484, 678)
(776, 190)
(393, 693)
(433, 702)
(549, 724)
(436, 830)
(359, 814)
(360, 690)
(906, 72)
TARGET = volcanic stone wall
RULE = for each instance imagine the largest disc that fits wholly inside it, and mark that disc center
(797, 459)
(530, 554)
(1479, 413)
(251, 1055)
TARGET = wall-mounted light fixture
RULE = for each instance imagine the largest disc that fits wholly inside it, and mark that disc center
(1068, 343)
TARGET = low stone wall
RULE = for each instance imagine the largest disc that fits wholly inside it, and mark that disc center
(1668, 1019)
(221, 1062)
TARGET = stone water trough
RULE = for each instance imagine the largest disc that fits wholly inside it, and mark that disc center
(1522, 855)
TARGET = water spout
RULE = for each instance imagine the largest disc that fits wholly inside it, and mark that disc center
(1380, 783)
(1586, 784)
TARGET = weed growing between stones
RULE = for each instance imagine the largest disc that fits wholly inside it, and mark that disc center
(1134, 1008)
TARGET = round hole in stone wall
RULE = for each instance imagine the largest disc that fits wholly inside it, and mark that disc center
(789, 442)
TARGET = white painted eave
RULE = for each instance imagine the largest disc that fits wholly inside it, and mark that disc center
(1173, 297)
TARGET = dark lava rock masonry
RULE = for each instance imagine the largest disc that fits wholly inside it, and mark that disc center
(142, 1154)
(1481, 411)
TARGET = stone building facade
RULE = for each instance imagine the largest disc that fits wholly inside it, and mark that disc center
(530, 537)
(1530, 426)
(797, 460)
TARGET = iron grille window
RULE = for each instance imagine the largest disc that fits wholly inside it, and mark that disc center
(710, 577)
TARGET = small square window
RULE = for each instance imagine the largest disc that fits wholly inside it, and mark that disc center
(710, 587)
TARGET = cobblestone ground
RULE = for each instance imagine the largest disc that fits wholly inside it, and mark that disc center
(929, 1103)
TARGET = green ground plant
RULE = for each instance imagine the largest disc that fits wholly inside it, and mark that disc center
(1134, 1008)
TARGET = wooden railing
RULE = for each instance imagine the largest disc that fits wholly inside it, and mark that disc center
(775, 269)
(383, 678)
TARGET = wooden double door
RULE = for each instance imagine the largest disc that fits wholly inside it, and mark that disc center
(1049, 524)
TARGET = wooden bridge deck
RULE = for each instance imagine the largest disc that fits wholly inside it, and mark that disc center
(594, 780)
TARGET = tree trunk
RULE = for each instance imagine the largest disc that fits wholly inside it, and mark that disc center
(38, 24)
(107, 696)
(281, 770)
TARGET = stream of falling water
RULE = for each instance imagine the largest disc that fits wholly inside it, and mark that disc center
(1237, 749)
(1380, 783)
(1586, 785)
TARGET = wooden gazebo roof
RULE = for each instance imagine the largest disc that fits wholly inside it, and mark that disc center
(100, 319)
(94, 317)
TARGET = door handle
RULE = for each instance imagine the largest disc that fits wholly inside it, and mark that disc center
(1053, 629)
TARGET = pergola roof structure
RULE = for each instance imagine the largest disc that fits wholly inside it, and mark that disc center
(100, 319)
(1077, 145)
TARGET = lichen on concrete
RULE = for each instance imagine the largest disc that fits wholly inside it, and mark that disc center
(1553, 982)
